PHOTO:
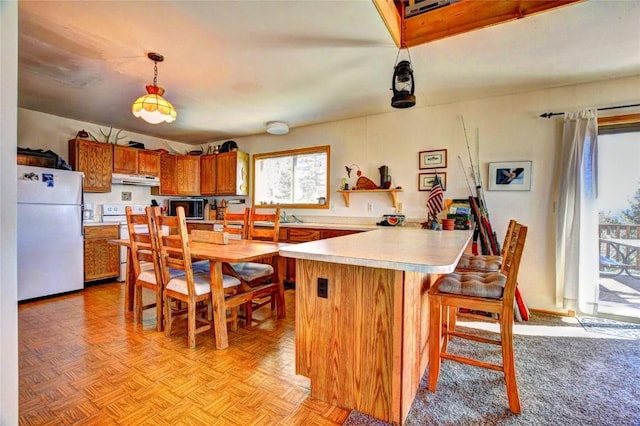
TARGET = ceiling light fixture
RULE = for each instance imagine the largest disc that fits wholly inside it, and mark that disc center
(402, 83)
(277, 128)
(152, 107)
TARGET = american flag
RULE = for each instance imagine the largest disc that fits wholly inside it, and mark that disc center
(434, 201)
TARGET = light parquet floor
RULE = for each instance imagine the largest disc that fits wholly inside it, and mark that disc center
(83, 361)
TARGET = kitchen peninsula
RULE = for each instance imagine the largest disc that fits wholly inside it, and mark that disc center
(362, 314)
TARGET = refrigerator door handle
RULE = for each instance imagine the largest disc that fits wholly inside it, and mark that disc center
(82, 204)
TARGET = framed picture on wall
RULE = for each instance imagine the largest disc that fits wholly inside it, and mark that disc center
(510, 176)
(436, 159)
(425, 181)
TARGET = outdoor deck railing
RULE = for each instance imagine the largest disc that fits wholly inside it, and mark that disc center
(616, 257)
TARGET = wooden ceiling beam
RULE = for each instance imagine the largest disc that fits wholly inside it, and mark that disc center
(392, 19)
(457, 18)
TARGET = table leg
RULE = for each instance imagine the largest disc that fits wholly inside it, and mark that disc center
(281, 267)
(219, 306)
(129, 282)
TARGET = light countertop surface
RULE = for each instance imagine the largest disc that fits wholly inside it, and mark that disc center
(399, 248)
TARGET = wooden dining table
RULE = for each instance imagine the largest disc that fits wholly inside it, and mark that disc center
(235, 251)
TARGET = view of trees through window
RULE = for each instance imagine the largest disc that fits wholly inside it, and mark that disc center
(297, 178)
(619, 178)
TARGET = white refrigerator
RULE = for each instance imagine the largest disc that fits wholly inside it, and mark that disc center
(50, 236)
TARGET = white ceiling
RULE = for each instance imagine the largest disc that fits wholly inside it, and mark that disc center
(232, 66)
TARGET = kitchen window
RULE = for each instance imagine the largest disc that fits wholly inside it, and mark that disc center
(296, 178)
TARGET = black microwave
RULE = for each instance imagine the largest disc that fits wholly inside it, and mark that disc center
(193, 207)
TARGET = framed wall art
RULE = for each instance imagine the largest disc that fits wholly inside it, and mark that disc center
(436, 159)
(510, 176)
(425, 181)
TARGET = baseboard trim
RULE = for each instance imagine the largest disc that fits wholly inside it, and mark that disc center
(569, 313)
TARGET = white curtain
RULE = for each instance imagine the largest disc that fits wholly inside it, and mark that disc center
(577, 219)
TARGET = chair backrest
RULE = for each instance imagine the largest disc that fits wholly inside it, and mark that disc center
(508, 236)
(141, 241)
(511, 261)
(268, 227)
(237, 223)
(174, 250)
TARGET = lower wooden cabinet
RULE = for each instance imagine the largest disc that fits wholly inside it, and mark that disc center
(101, 259)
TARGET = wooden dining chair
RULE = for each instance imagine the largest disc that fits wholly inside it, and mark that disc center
(491, 292)
(485, 262)
(192, 288)
(145, 265)
(262, 226)
(237, 223)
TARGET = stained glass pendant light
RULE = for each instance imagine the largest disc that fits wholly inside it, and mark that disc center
(152, 107)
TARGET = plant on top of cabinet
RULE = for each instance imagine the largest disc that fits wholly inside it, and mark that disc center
(94, 159)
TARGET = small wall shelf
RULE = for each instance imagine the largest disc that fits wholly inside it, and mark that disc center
(392, 192)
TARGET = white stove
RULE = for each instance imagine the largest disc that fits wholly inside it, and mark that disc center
(115, 213)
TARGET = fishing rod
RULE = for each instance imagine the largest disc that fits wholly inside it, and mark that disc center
(466, 178)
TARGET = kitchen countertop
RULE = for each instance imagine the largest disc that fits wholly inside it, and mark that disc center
(315, 225)
(398, 248)
(85, 223)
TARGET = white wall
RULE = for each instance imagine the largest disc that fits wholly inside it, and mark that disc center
(8, 239)
(509, 129)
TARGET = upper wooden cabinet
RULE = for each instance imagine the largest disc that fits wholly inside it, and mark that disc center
(188, 174)
(94, 159)
(167, 176)
(135, 161)
(224, 174)
(208, 174)
(233, 173)
(179, 175)
(125, 159)
(148, 162)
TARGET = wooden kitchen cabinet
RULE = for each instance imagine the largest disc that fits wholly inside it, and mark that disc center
(188, 174)
(125, 159)
(135, 161)
(148, 162)
(101, 259)
(179, 175)
(95, 160)
(232, 175)
(208, 174)
(167, 176)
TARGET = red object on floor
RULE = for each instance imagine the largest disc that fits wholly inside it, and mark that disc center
(522, 307)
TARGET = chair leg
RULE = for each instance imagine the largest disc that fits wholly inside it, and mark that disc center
(167, 315)
(447, 325)
(159, 310)
(137, 296)
(248, 313)
(191, 321)
(435, 338)
(508, 361)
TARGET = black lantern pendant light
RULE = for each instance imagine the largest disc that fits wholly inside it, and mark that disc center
(403, 84)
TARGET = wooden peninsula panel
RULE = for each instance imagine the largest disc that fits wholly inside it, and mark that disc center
(364, 346)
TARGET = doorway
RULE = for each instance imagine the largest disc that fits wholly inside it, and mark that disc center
(618, 206)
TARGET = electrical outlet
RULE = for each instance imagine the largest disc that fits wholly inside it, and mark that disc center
(370, 206)
(126, 196)
(399, 208)
(323, 287)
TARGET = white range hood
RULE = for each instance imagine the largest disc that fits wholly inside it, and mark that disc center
(140, 180)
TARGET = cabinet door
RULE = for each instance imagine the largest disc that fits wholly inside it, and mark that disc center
(208, 174)
(302, 235)
(168, 175)
(226, 182)
(95, 159)
(188, 174)
(125, 159)
(331, 233)
(101, 259)
(148, 162)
